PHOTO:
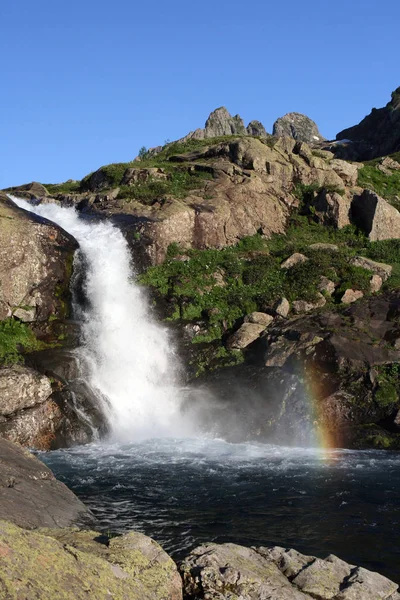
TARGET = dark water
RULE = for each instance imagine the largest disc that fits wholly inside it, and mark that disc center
(185, 492)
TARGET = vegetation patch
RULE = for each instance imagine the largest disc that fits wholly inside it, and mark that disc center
(385, 185)
(16, 338)
(178, 184)
(387, 392)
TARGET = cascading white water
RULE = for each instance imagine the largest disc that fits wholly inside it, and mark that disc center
(130, 359)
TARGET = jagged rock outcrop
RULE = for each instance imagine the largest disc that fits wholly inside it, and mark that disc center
(297, 126)
(378, 133)
(35, 265)
(51, 564)
(220, 122)
(227, 571)
(30, 495)
(251, 191)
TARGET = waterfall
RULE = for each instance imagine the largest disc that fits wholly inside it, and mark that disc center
(130, 360)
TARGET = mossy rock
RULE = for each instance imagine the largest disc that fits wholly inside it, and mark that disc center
(67, 564)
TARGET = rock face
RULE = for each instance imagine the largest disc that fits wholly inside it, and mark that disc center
(297, 126)
(35, 265)
(81, 565)
(379, 132)
(30, 495)
(375, 216)
(220, 123)
(28, 414)
(251, 191)
(219, 571)
(343, 361)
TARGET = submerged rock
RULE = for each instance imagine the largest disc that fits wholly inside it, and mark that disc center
(229, 571)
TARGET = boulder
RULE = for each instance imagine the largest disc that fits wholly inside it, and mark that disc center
(282, 307)
(35, 265)
(347, 171)
(376, 283)
(298, 126)
(260, 318)
(219, 571)
(304, 306)
(20, 388)
(245, 335)
(321, 246)
(332, 208)
(326, 285)
(379, 219)
(30, 191)
(351, 296)
(295, 259)
(383, 270)
(52, 564)
(30, 495)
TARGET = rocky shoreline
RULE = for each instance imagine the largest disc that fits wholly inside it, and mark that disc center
(50, 549)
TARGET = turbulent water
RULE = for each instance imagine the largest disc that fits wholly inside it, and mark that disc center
(129, 359)
(184, 491)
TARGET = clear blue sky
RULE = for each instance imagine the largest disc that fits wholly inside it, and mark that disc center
(88, 83)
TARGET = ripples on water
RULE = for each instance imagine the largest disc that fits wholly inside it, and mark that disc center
(185, 492)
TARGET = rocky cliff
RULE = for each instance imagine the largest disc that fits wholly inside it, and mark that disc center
(378, 134)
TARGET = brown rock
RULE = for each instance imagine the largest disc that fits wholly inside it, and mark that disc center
(351, 296)
(347, 171)
(326, 285)
(333, 209)
(20, 388)
(376, 283)
(35, 265)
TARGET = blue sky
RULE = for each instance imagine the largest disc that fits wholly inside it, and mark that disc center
(88, 83)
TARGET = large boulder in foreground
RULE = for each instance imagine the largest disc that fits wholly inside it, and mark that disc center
(30, 495)
(297, 126)
(84, 566)
(375, 216)
(229, 571)
(35, 265)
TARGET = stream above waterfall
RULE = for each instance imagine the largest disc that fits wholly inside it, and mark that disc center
(183, 492)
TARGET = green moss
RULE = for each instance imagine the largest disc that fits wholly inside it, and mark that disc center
(15, 338)
(68, 187)
(388, 379)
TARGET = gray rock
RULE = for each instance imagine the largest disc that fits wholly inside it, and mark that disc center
(347, 171)
(245, 335)
(326, 285)
(332, 209)
(375, 216)
(21, 387)
(232, 572)
(282, 307)
(321, 246)
(383, 270)
(298, 126)
(260, 318)
(293, 260)
(30, 495)
(257, 129)
(220, 123)
(303, 306)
